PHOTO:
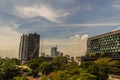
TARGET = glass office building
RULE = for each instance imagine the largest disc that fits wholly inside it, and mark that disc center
(53, 51)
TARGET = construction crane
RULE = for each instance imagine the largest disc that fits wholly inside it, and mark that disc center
(42, 47)
(31, 54)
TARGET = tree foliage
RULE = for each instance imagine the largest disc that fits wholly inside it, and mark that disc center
(46, 68)
(60, 63)
(8, 69)
(100, 68)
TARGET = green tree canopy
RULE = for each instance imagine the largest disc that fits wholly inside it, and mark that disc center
(46, 68)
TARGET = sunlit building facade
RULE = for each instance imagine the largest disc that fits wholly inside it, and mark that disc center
(108, 43)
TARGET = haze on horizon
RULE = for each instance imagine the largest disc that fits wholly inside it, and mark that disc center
(67, 23)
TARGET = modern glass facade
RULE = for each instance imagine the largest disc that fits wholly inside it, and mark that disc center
(53, 51)
(105, 43)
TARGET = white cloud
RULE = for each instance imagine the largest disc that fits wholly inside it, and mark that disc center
(90, 24)
(116, 29)
(42, 10)
(84, 37)
(116, 6)
(77, 37)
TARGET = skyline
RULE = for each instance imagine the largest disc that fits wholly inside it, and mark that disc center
(67, 23)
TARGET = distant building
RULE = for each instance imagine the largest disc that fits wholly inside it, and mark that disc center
(53, 51)
(29, 46)
(43, 54)
(59, 53)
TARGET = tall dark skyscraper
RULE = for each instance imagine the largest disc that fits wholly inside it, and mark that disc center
(29, 46)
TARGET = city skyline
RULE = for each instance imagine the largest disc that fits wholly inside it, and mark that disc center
(67, 23)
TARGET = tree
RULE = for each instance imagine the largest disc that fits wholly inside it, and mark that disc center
(8, 70)
(71, 72)
(46, 68)
(101, 68)
(60, 63)
(86, 64)
(20, 78)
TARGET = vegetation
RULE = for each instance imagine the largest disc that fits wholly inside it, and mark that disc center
(91, 70)
(100, 68)
(8, 69)
(56, 69)
(20, 78)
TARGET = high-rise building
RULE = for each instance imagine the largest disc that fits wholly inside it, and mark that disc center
(108, 43)
(29, 46)
(53, 51)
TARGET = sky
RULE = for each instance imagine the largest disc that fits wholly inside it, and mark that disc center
(67, 23)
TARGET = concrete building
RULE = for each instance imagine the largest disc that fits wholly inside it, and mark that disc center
(108, 43)
(104, 45)
(29, 46)
(59, 53)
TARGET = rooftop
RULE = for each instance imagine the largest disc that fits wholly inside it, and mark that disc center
(105, 35)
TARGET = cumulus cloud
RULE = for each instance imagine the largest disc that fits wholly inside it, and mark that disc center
(116, 29)
(42, 10)
(84, 37)
(78, 37)
(75, 37)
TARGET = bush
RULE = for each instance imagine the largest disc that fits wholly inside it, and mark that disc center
(20, 78)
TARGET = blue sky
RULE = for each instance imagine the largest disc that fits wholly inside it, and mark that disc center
(67, 23)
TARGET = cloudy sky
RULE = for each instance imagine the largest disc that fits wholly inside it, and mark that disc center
(67, 23)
